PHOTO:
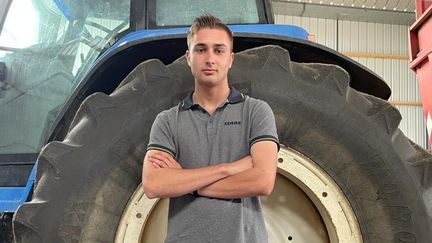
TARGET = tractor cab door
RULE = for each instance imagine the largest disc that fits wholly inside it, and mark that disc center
(46, 47)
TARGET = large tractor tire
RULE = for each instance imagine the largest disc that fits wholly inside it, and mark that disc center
(346, 172)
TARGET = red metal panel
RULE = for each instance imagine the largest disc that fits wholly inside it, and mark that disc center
(421, 56)
(424, 76)
(421, 6)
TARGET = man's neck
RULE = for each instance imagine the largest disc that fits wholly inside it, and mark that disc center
(211, 97)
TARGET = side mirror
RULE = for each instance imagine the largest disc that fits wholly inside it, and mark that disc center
(2, 71)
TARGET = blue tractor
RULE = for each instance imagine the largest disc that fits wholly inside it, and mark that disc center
(81, 82)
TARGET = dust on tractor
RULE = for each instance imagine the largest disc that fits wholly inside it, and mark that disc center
(82, 81)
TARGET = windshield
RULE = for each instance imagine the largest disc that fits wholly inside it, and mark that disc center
(183, 12)
(45, 48)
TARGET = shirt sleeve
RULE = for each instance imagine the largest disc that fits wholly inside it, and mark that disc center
(263, 125)
(161, 136)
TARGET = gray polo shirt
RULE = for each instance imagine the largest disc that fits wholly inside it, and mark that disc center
(197, 139)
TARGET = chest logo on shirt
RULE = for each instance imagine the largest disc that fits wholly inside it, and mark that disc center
(229, 123)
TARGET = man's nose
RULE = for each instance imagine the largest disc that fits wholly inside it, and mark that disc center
(210, 58)
(209, 62)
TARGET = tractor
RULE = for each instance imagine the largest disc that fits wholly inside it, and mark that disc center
(81, 82)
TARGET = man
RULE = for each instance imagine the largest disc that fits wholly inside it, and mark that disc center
(215, 153)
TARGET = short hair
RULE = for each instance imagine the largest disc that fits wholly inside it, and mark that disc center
(211, 22)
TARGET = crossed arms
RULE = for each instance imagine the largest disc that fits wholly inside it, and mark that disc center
(250, 176)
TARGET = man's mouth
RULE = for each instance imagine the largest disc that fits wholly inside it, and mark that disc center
(209, 71)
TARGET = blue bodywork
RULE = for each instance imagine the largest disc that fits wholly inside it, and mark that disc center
(12, 197)
(265, 29)
(64, 9)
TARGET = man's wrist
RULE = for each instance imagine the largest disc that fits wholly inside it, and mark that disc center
(223, 169)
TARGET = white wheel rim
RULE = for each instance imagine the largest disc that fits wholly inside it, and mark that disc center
(305, 206)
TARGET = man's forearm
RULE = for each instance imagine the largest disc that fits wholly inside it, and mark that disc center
(171, 182)
(257, 181)
(164, 177)
(250, 183)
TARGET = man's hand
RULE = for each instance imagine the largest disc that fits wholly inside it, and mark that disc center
(163, 160)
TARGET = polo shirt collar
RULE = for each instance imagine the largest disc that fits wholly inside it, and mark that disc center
(233, 98)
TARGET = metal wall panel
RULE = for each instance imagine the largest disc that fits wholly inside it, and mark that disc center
(374, 38)
(324, 29)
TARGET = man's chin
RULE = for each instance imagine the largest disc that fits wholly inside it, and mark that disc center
(208, 82)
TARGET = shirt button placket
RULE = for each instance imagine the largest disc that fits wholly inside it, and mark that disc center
(211, 129)
(210, 125)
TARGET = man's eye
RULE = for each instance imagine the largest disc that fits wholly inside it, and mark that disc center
(200, 50)
(219, 51)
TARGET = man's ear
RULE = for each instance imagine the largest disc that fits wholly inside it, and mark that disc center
(232, 59)
(188, 57)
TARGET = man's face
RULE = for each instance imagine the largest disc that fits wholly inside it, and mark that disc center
(210, 56)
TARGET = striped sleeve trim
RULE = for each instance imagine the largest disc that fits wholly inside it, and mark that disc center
(264, 138)
(160, 148)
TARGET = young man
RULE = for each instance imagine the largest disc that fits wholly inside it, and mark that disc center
(215, 153)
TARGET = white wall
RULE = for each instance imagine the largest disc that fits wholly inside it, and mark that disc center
(374, 38)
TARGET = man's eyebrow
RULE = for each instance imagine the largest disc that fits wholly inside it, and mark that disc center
(217, 45)
(220, 45)
(200, 45)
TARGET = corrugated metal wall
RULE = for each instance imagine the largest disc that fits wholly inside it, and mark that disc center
(384, 49)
